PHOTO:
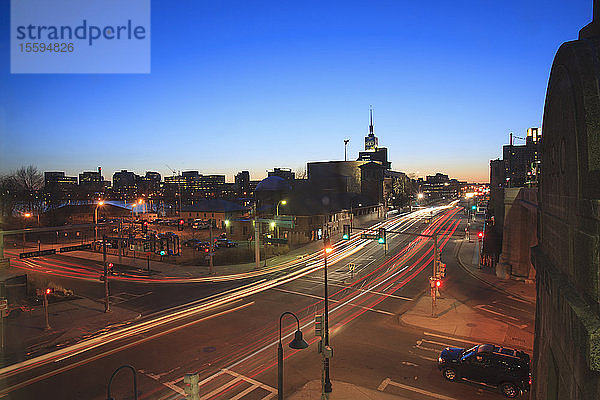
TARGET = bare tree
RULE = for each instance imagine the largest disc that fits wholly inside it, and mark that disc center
(8, 195)
(28, 181)
(301, 173)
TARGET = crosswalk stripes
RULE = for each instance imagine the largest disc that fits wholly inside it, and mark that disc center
(227, 384)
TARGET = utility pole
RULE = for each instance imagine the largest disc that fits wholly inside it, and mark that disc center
(211, 247)
(256, 237)
(325, 348)
(46, 291)
(345, 148)
(119, 245)
(106, 300)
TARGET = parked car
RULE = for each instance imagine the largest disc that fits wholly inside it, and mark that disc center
(221, 242)
(492, 365)
(202, 246)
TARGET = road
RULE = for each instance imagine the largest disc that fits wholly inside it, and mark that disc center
(230, 339)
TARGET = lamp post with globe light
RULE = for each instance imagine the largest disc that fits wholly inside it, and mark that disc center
(298, 343)
(282, 202)
(98, 204)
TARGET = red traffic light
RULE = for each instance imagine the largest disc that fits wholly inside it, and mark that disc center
(48, 290)
(438, 283)
(110, 265)
(181, 222)
(480, 234)
(206, 250)
(145, 223)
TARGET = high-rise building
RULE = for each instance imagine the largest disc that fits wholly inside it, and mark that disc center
(242, 183)
(372, 150)
(284, 173)
(91, 182)
(371, 141)
(149, 184)
(521, 163)
(193, 184)
(57, 186)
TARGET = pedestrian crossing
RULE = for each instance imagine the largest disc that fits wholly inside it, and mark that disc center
(226, 384)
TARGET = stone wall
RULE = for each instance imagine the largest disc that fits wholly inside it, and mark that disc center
(567, 337)
(519, 234)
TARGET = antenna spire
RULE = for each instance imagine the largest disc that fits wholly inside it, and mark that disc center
(371, 130)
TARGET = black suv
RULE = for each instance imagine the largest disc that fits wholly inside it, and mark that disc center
(488, 364)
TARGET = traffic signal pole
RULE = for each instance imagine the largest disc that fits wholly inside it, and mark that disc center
(434, 280)
(326, 382)
(256, 238)
(212, 249)
(106, 290)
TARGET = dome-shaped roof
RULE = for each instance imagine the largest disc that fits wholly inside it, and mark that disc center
(273, 183)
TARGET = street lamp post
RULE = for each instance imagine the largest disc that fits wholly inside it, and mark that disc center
(282, 202)
(326, 388)
(298, 343)
(100, 203)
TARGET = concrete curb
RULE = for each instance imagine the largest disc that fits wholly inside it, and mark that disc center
(485, 281)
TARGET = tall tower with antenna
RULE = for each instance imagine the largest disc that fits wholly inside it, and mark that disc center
(371, 141)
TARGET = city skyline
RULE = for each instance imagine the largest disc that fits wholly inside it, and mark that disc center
(229, 90)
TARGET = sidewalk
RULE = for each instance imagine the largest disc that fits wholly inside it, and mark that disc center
(454, 318)
(25, 335)
(467, 255)
(343, 391)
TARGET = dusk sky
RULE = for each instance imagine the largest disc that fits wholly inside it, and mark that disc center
(253, 85)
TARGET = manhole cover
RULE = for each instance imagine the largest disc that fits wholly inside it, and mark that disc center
(471, 325)
(209, 349)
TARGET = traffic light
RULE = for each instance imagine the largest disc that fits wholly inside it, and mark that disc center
(162, 252)
(319, 328)
(327, 245)
(180, 225)
(145, 227)
(346, 234)
(480, 235)
(438, 283)
(473, 207)
(191, 388)
(381, 236)
(442, 269)
(48, 291)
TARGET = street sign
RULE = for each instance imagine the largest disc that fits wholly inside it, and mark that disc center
(3, 304)
(276, 240)
(75, 248)
(370, 236)
(29, 254)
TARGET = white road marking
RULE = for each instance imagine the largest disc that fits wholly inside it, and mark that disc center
(334, 301)
(409, 364)
(221, 388)
(449, 338)
(388, 381)
(383, 384)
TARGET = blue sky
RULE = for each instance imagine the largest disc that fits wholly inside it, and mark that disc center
(238, 85)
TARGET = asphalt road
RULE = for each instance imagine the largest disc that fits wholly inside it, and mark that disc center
(230, 341)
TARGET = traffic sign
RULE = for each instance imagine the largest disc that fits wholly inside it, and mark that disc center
(3, 304)
(370, 236)
(276, 240)
(29, 254)
(75, 248)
